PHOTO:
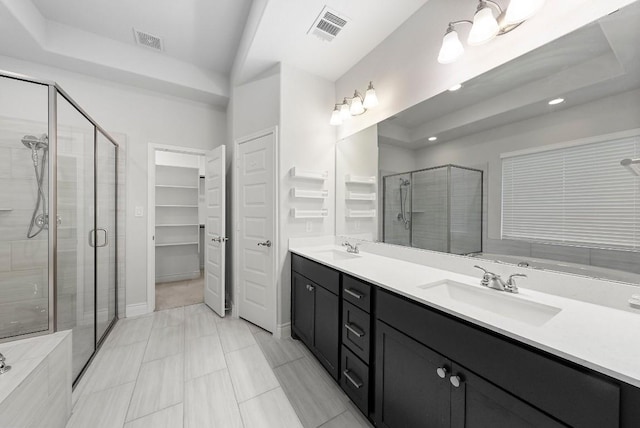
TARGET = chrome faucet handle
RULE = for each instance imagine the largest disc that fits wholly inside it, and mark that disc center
(3, 367)
(487, 277)
(511, 282)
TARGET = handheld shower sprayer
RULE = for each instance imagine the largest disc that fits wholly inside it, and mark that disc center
(39, 220)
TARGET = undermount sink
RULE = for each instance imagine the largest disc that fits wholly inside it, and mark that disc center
(336, 255)
(494, 301)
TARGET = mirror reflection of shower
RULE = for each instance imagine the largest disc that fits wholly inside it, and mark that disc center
(39, 218)
(403, 215)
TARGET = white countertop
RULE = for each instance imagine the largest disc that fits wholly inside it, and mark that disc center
(601, 338)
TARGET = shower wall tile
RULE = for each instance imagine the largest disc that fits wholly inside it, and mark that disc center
(5, 163)
(22, 285)
(5, 257)
(22, 163)
(14, 224)
(29, 254)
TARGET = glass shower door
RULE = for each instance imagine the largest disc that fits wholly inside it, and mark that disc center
(76, 253)
(105, 234)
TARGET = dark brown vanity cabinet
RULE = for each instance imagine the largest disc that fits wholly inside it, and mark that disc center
(315, 310)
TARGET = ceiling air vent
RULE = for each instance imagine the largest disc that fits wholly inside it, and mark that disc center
(148, 40)
(327, 25)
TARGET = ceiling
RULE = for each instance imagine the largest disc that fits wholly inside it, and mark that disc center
(207, 43)
(593, 62)
(203, 33)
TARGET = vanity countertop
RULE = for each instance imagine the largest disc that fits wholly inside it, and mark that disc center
(603, 339)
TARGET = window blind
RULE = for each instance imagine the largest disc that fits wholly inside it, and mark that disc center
(577, 195)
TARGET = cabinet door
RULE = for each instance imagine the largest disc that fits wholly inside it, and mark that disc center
(327, 329)
(475, 403)
(303, 308)
(409, 390)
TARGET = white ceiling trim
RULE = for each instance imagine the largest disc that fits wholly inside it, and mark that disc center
(80, 51)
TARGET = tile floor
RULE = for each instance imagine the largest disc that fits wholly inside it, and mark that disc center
(187, 367)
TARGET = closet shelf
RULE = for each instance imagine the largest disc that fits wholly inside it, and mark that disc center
(356, 196)
(6, 209)
(309, 194)
(178, 225)
(298, 213)
(360, 179)
(309, 175)
(176, 206)
(176, 244)
(361, 213)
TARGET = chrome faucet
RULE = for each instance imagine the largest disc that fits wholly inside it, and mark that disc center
(492, 280)
(351, 248)
(3, 367)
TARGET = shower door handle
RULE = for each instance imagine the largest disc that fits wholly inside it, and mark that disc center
(106, 237)
(93, 237)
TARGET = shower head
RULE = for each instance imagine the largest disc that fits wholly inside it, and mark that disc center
(632, 165)
(36, 143)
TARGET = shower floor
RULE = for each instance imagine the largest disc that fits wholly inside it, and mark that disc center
(180, 293)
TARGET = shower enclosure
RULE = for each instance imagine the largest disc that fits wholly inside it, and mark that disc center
(58, 232)
(437, 209)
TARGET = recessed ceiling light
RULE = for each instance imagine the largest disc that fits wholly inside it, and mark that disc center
(433, 138)
(556, 101)
(455, 87)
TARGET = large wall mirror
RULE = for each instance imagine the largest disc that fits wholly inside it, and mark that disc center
(521, 164)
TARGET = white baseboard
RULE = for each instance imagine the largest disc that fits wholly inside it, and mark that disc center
(137, 309)
(178, 277)
(283, 331)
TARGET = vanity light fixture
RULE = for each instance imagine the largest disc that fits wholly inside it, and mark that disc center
(354, 106)
(556, 101)
(433, 138)
(486, 26)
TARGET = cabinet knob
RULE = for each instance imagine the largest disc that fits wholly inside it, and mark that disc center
(455, 381)
(310, 287)
(442, 372)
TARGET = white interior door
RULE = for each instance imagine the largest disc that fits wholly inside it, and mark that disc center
(256, 231)
(215, 240)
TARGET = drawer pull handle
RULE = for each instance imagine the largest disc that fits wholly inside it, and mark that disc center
(354, 330)
(353, 293)
(356, 383)
(442, 372)
(455, 381)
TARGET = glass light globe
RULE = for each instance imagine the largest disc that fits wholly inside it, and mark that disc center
(451, 48)
(484, 28)
(521, 10)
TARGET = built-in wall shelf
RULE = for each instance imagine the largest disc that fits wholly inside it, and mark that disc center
(177, 244)
(361, 213)
(360, 179)
(358, 196)
(168, 186)
(177, 225)
(309, 194)
(308, 175)
(176, 206)
(298, 213)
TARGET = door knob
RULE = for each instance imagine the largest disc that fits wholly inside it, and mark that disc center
(266, 243)
(455, 381)
(220, 239)
(442, 372)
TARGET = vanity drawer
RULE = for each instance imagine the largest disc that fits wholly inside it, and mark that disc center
(355, 379)
(320, 274)
(357, 292)
(356, 330)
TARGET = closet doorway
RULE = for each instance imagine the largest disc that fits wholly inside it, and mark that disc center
(186, 228)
